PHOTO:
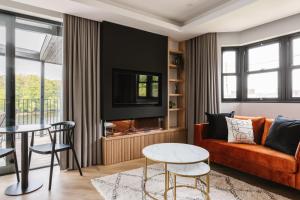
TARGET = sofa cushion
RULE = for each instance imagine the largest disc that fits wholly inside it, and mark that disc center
(259, 155)
(258, 126)
(217, 125)
(284, 135)
(240, 131)
(268, 124)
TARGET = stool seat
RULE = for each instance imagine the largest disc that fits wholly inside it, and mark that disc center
(189, 170)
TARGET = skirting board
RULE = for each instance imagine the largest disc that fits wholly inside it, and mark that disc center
(128, 147)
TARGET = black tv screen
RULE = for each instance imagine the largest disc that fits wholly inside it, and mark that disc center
(136, 88)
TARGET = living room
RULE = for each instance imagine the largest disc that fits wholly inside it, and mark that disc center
(132, 99)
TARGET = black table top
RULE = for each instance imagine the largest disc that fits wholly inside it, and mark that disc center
(24, 128)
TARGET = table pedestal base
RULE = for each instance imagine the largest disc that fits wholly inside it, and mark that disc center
(16, 189)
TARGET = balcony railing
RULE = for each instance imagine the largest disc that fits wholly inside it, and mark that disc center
(29, 111)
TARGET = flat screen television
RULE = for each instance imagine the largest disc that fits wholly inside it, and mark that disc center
(132, 88)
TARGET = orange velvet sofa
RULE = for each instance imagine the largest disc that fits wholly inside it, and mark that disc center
(255, 159)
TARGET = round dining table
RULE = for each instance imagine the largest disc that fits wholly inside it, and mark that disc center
(26, 186)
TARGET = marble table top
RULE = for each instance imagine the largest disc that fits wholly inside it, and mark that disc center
(196, 169)
(175, 153)
(24, 128)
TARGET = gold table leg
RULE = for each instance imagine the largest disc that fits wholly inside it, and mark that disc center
(207, 186)
(145, 170)
(174, 187)
(166, 181)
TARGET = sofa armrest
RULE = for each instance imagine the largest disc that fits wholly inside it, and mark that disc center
(199, 132)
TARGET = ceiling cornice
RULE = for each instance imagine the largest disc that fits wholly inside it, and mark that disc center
(218, 19)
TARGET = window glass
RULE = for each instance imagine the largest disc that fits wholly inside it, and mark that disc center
(263, 85)
(229, 87)
(2, 89)
(296, 82)
(229, 62)
(2, 36)
(263, 57)
(29, 40)
(28, 93)
(2, 71)
(296, 51)
(52, 92)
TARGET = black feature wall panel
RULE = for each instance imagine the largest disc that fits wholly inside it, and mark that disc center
(131, 49)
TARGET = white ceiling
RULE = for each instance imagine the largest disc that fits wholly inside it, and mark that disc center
(175, 11)
(180, 19)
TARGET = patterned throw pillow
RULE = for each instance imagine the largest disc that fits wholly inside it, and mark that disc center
(240, 131)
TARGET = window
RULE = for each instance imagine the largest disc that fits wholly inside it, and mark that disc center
(296, 82)
(263, 65)
(264, 71)
(263, 57)
(229, 75)
(295, 68)
(30, 74)
(262, 85)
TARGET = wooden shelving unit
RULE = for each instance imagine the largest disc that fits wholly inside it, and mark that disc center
(176, 85)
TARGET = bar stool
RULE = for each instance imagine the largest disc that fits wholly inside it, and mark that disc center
(195, 171)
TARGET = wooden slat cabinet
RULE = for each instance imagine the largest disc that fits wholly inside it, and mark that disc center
(124, 148)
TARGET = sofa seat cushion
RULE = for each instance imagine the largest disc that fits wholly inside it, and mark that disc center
(257, 154)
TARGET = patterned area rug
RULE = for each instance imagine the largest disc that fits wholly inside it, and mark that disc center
(129, 185)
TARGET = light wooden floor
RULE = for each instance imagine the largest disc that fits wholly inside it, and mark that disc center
(67, 184)
(70, 185)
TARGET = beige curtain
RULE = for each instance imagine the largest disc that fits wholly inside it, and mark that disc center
(81, 93)
(201, 79)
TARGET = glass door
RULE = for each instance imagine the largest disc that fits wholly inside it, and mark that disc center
(6, 87)
(30, 79)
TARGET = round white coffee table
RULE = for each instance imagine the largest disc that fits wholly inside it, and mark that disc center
(172, 153)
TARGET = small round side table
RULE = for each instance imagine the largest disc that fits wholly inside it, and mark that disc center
(195, 171)
(172, 153)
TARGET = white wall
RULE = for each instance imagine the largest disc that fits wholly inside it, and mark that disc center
(274, 29)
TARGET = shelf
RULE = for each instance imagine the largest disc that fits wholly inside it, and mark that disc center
(176, 128)
(175, 95)
(175, 109)
(175, 52)
(173, 66)
(175, 80)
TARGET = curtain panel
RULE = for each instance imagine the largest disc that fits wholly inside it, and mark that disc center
(81, 89)
(201, 80)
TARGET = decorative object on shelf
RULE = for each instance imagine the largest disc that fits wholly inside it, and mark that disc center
(176, 91)
(178, 60)
(172, 104)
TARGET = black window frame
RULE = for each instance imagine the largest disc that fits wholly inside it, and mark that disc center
(284, 71)
(237, 74)
(290, 68)
(10, 21)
